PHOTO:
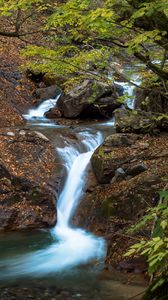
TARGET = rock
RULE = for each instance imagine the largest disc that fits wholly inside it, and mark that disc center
(121, 140)
(41, 136)
(138, 121)
(58, 80)
(90, 99)
(135, 121)
(22, 132)
(28, 176)
(53, 113)
(111, 155)
(137, 169)
(49, 92)
(111, 208)
(10, 133)
(137, 265)
(152, 99)
(162, 122)
(145, 170)
(119, 175)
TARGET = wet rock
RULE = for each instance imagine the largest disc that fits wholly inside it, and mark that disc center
(49, 92)
(27, 181)
(53, 113)
(90, 99)
(91, 181)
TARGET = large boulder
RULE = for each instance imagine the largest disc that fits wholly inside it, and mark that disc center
(90, 99)
(27, 176)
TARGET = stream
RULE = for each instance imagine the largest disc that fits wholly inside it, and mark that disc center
(64, 256)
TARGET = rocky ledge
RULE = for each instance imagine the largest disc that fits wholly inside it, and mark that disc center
(27, 180)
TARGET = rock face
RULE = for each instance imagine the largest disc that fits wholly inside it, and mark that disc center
(27, 180)
(114, 156)
(49, 92)
(134, 168)
(152, 100)
(90, 99)
(53, 113)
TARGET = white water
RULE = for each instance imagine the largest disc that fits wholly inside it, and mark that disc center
(75, 182)
(38, 113)
(129, 89)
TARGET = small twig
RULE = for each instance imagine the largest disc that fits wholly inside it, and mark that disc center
(127, 236)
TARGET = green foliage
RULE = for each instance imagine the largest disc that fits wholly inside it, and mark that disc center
(7, 8)
(156, 249)
(83, 36)
(125, 98)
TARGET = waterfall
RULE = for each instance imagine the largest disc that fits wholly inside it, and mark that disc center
(38, 113)
(74, 184)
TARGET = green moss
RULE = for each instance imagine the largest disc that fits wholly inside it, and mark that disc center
(101, 152)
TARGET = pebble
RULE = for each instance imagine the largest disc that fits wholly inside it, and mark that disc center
(10, 133)
(41, 136)
(22, 132)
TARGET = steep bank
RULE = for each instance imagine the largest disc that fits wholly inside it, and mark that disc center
(28, 173)
(15, 89)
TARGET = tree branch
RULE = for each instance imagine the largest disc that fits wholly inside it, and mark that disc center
(161, 73)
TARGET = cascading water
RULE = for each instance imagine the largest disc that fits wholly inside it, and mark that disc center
(72, 191)
(38, 113)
